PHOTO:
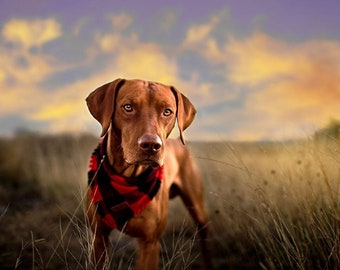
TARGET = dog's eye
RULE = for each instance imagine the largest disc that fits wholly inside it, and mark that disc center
(167, 112)
(128, 107)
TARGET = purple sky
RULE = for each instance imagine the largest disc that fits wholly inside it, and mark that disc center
(255, 70)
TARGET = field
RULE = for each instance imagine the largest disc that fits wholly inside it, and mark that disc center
(271, 206)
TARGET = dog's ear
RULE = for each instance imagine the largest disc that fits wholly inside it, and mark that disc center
(185, 112)
(101, 103)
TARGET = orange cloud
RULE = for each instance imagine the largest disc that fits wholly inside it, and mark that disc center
(289, 84)
(259, 58)
(147, 62)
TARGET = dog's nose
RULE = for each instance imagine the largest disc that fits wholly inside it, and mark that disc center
(150, 144)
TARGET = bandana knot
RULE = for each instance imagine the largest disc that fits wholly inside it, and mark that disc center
(119, 199)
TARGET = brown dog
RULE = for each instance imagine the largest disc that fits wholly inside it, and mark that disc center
(136, 118)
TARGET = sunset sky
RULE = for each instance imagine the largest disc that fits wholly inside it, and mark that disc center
(255, 70)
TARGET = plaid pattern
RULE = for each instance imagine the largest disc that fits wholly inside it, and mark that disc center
(119, 199)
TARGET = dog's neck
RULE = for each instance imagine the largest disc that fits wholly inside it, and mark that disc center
(116, 159)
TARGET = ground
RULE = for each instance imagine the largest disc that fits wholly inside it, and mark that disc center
(271, 206)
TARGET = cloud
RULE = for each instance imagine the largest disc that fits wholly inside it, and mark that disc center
(21, 72)
(22, 69)
(52, 112)
(21, 66)
(198, 33)
(64, 110)
(283, 89)
(201, 38)
(121, 21)
(255, 87)
(259, 58)
(25, 72)
(130, 57)
(291, 85)
(277, 88)
(30, 33)
(146, 61)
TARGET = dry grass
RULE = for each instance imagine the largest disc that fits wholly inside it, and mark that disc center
(271, 206)
(279, 201)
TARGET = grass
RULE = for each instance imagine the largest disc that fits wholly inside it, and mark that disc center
(271, 206)
(274, 205)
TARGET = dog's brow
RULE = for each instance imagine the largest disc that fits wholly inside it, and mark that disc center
(152, 87)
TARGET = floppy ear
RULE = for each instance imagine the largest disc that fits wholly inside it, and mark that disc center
(185, 112)
(101, 103)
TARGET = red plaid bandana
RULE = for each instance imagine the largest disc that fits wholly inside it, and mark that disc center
(119, 199)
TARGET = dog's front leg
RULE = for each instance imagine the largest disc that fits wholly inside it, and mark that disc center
(99, 245)
(148, 255)
(100, 250)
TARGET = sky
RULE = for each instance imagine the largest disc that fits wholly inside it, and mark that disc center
(255, 70)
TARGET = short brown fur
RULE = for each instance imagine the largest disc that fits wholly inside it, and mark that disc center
(149, 118)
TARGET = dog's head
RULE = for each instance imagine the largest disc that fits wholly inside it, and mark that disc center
(141, 115)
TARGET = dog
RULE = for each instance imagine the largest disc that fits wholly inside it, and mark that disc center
(136, 170)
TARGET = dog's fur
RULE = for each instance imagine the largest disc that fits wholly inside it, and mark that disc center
(137, 117)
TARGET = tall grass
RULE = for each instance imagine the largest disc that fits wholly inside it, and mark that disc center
(271, 206)
(280, 202)
(300, 228)
(42, 212)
